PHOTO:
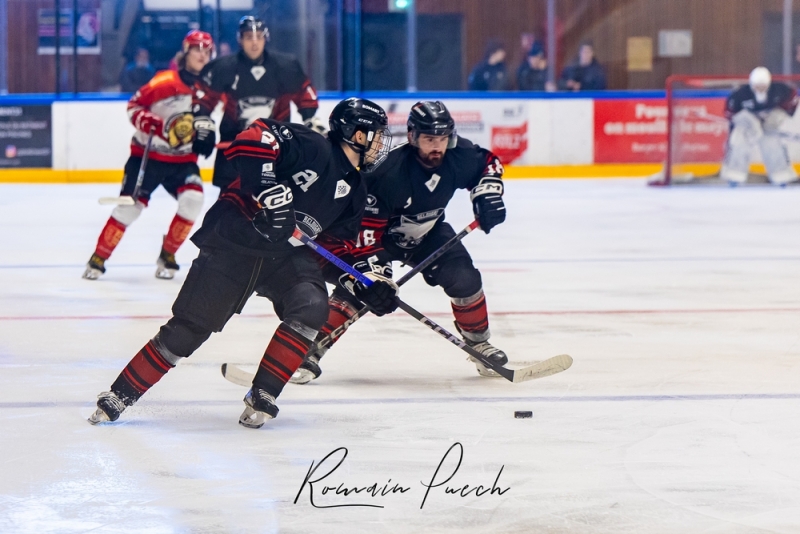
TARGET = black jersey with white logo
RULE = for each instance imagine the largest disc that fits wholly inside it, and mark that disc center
(254, 89)
(779, 95)
(406, 199)
(329, 193)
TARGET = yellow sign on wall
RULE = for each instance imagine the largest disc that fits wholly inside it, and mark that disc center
(640, 54)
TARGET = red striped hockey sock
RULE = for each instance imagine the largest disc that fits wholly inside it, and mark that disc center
(283, 356)
(109, 238)
(472, 317)
(178, 231)
(339, 312)
(143, 371)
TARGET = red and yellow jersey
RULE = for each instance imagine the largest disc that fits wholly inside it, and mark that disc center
(168, 96)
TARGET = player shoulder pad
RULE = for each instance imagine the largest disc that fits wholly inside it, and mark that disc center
(283, 59)
(782, 89)
(163, 77)
(219, 72)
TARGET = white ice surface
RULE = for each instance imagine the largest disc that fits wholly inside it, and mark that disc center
(681, 413)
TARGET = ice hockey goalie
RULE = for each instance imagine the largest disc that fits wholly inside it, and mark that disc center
(756, 112)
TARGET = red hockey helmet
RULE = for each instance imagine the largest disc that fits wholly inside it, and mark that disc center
(198, 39)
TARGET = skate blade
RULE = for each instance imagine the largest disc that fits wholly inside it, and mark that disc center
(483, 370)
(302, 376)
(91, 274)
(165, 274)
(253, 419)
(99, 416)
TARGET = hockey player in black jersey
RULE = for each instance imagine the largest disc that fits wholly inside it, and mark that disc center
(255, 83)
(404, 221)
(288, 176)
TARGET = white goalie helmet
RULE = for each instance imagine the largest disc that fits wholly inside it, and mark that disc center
(760, 80)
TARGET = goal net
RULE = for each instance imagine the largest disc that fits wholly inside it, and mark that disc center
(697, 130)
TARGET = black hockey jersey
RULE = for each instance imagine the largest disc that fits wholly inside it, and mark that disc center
(253, 90)
(406, 199)
(778, 95)
(329, 193)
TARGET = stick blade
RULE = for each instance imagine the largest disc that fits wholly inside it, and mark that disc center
(236, 376)
(118, 201)
(548, 367)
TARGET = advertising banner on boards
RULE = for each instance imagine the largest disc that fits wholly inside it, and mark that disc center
(25, 136)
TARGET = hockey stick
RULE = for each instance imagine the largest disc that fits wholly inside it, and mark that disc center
(125, 200)
(551, 366)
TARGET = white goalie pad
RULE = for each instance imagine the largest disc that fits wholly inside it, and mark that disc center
(747, 128)
(745, 134)
(772, 120)
(776, 160)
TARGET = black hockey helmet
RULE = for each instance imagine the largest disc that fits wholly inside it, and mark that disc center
(431, 118)
(361, 115)
(253, 24)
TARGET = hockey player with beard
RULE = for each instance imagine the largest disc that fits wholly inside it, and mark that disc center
(756, 112)
(255, 83)
(163, 105)
(404, 221)
(288, 176)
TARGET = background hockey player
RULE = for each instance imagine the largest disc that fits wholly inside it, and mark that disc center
(404, 221)
(289, 175)
(756, 112)
(254, 83)
(164, 105)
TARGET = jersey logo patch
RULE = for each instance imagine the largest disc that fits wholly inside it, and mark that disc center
(258, 71)
(308, 224)
(409, 230)
(342, 189)
(433, 182)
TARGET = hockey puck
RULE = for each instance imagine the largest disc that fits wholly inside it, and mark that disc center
(523, 415)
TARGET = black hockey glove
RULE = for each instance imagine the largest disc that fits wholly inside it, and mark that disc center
(380, 296)
(205, 136)
(275, 221)
(487, 203)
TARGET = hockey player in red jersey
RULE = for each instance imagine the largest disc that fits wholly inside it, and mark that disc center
(756, 112)
(288, 176)
(255, 83)
(163, 106)
(404, 221)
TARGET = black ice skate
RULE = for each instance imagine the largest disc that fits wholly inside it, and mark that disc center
(259, 406)
(491, 352)
(309, 370)
(95, 268)
(480, 341)
(109, 407)
(166, 266)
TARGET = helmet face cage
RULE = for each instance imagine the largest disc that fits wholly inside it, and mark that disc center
(379, 142)
(431, 118)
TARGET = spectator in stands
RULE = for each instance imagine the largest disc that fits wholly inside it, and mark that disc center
(137, 73)
(532, 72)
(584, 75)
(490, 74)
(224, 49)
